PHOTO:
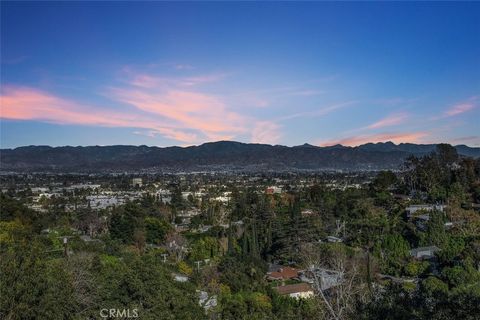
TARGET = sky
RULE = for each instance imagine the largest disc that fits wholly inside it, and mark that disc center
(170, 73)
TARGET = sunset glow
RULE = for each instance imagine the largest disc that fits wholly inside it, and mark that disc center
(161, 81)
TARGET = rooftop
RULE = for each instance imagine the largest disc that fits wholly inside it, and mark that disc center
(294, 288)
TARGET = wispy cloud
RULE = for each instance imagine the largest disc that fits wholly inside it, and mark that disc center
(412, 137)
(266, 132)
(306, 93)
(175, 108)
(24, 103)
(391, 120)
(395, 101)
(181, 66)
(318, 112)
(459, 109)
(149, 81)
(185, 110)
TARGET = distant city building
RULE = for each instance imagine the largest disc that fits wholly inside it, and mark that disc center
(97, 202)
(273, 189)
(137, 182)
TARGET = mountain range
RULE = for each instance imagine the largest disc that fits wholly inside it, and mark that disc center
(214, 156)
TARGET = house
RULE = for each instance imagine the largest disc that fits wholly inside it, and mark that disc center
(401, 197)
(203, 228)
(307, 212)
(164, 195)
(296, 291)
(421, 221)
(97, 202)
(475, 206)
(222, 199)
(333, 239)
(273, 190)
(326, 278)
(277, 272)
(424, 252)
(87, 239)
(179, 277)
(425, 207)
(206, 301)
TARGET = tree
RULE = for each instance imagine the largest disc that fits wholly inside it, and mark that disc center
(435, 234)
(341, 299)
(384, 180)
(32, 287)
(392, 251)
(156, 230)
(204, 248)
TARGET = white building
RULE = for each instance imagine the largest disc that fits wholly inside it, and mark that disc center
(424, 252)
(296, 291)
(137, 182)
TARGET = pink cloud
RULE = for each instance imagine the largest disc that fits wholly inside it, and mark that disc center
(146, 81)
(459, 109)
(412, 137)
(185, 109)
(23, 103)
(266, 132)
(159, 106)
(391, 120)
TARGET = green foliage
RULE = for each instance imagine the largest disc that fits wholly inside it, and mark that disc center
(124, 222)
(435, 234)
(452, 248)
(246, 305)
(462, 276)
(156, 230)
(242, 273)
(32, 287)
(432, 286)
(392, 250)
(416, 268)
(205, 248)
(384, 180)
(144, 283)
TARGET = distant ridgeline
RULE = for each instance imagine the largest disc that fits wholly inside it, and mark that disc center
(215, 156)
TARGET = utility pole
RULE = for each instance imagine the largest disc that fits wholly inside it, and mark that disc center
(198, 265)
(65, 245)
(164, 256)
(65, 249)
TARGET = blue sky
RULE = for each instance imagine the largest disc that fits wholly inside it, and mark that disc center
(101, 73)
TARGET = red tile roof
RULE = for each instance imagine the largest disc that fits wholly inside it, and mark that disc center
(294, 288)
(283, 273)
